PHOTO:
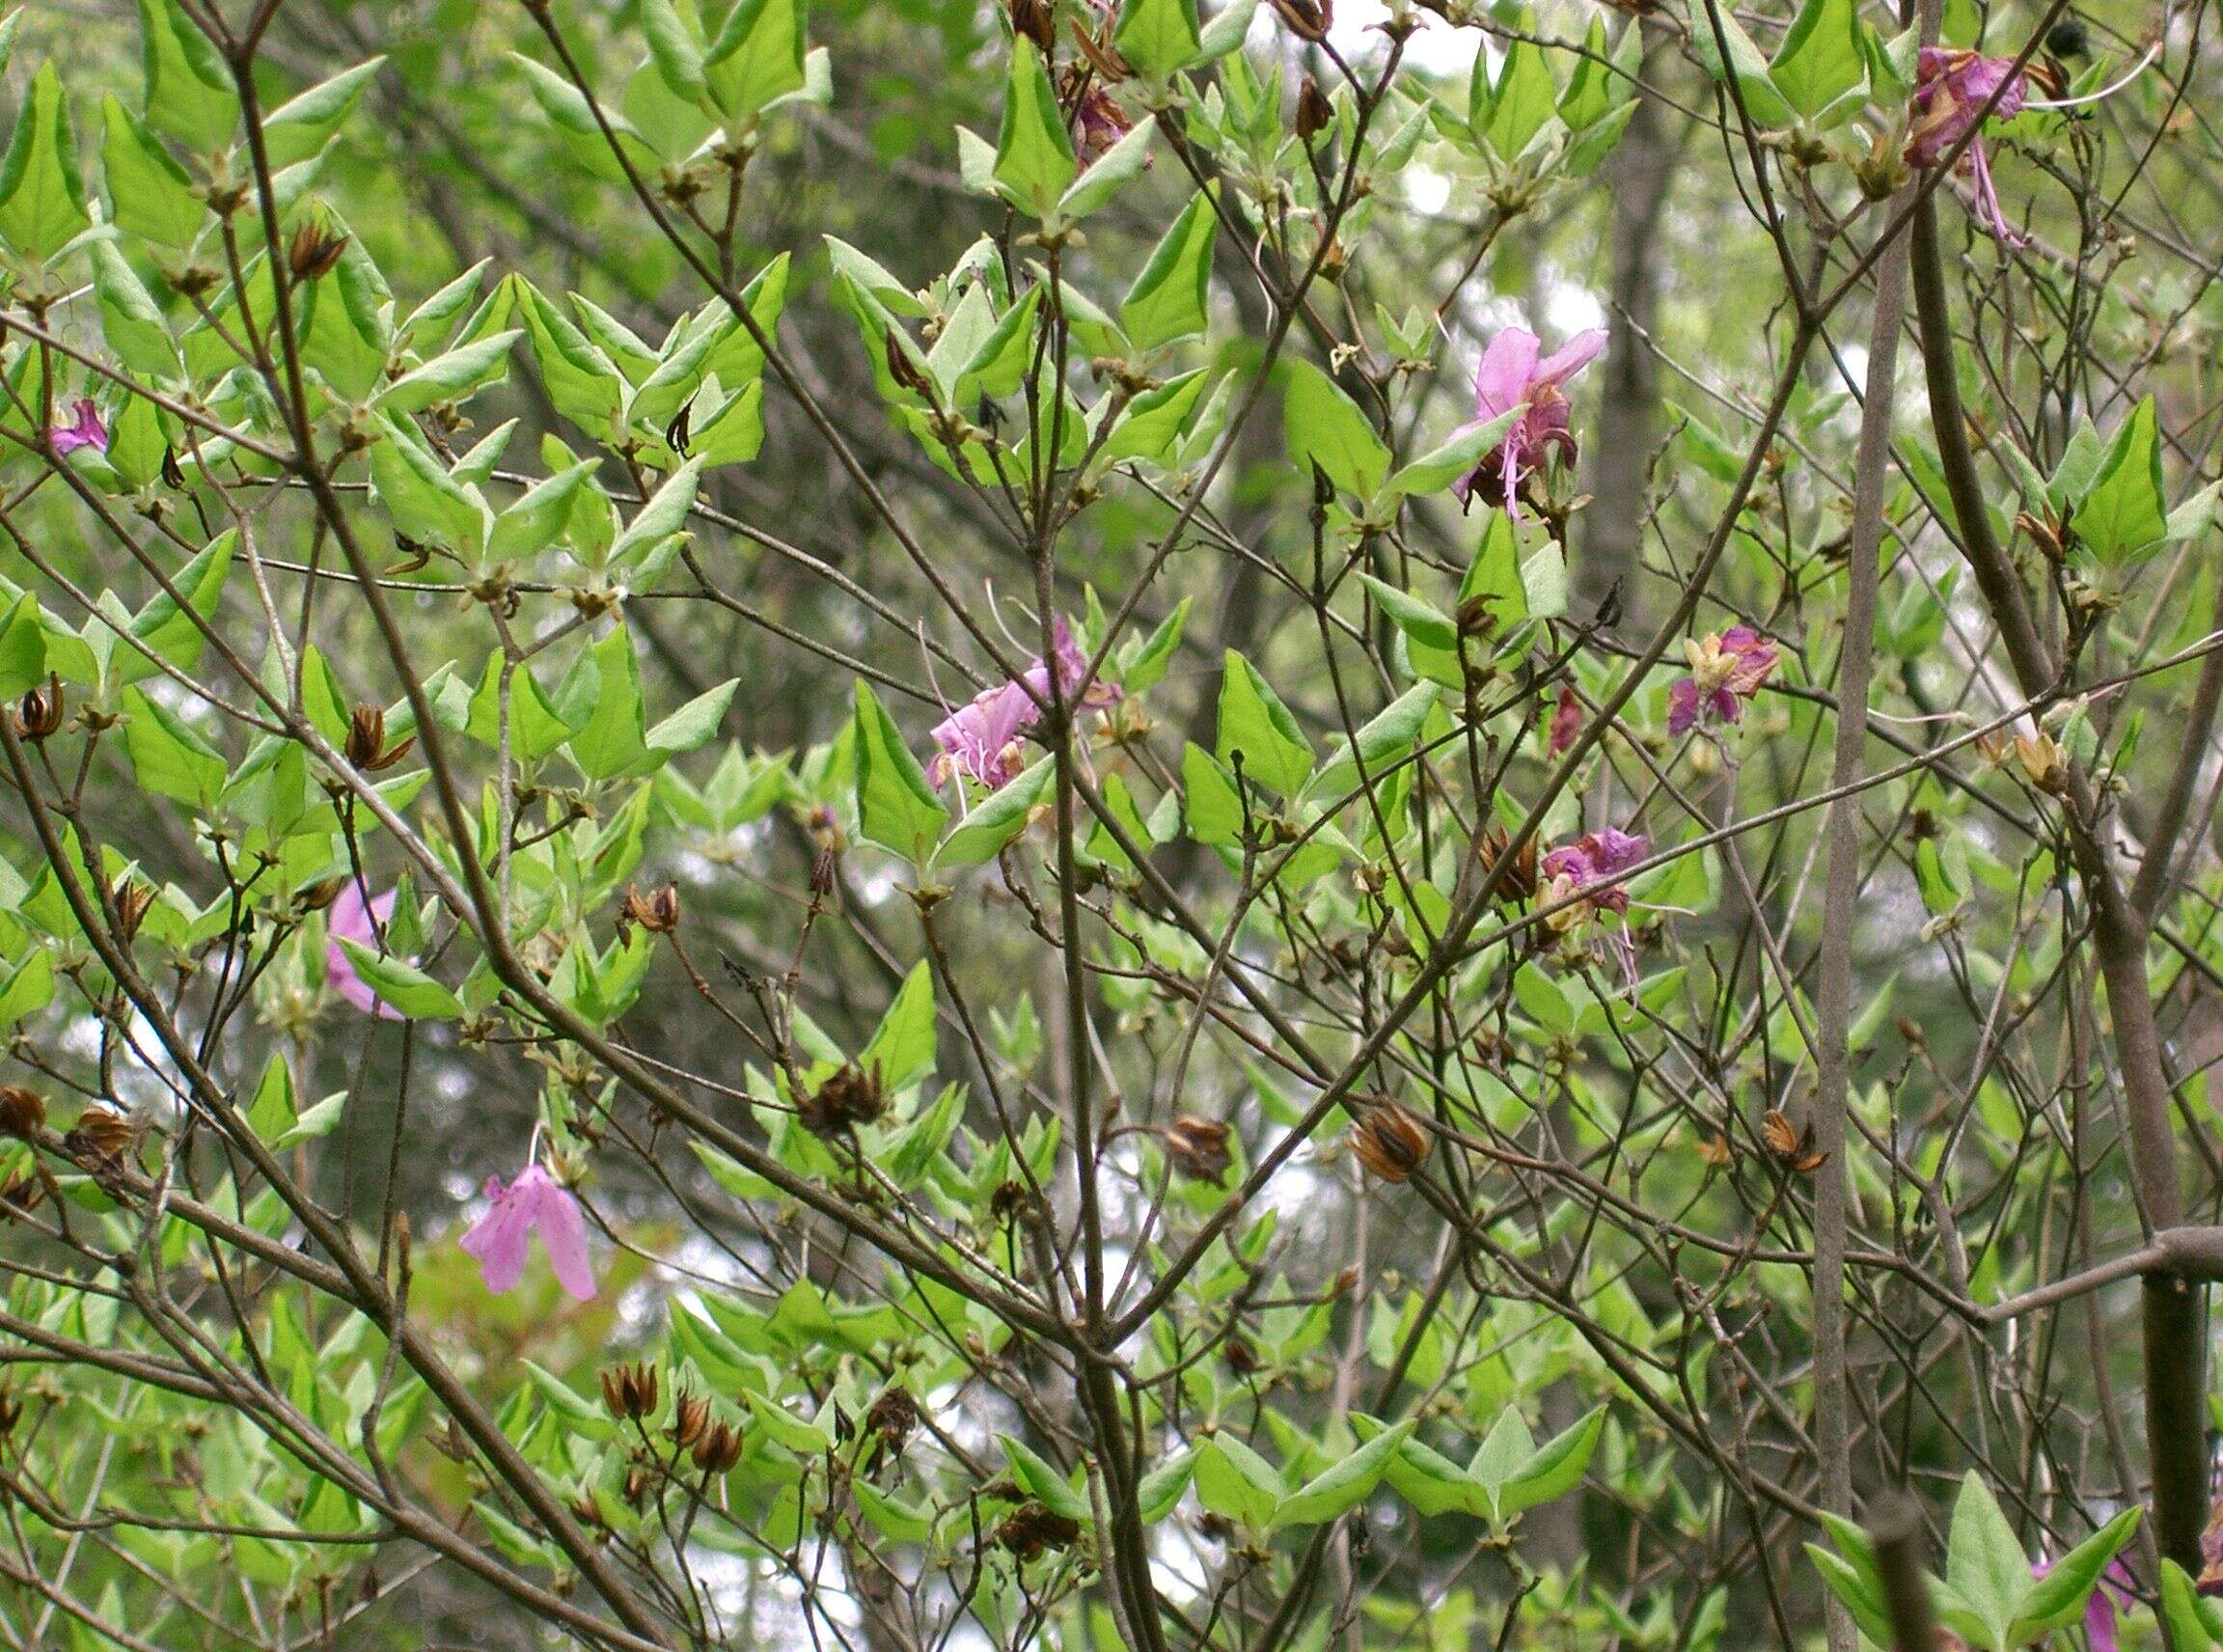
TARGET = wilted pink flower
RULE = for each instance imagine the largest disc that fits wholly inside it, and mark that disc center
(1592, 865)
(351, 920)
(533, 1202)
(1951, 89)
(980, 740)
(1566, 721)
(2114, 1587)
(1513, 379)
(84, 430)
(1098, 124)
(1725, 672)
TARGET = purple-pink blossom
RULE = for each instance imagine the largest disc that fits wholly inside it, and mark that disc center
(980, 740)
(1515, 377)
(1951, 89)
(85, 429)
(2113, 1590)
(351, 918)
(1566, 721)
(1592, 865)
(536, 1202)
(1725, 672)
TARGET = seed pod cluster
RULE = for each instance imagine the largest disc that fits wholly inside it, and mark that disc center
(1390, 1142)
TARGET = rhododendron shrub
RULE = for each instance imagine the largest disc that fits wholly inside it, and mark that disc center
(1096, 824)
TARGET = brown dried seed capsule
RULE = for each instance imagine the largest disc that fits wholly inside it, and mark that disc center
(586, 1510)
(1198, 1147)
(892, 1416)
(657, 911)
(314, 252)
(101, 1135)
(1307, 19)
(629, 1390)
(22, 1112)
(1033, 19)
(132, 899)
(690, 1414)
(1390, 1142)
(366, 735)
(1790, 1145)
(719, 1448)
(38, 714)
(1032, 1527)
(1314, 113)
(851, 1098)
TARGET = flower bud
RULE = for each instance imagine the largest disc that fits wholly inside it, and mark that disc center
(1033, 19)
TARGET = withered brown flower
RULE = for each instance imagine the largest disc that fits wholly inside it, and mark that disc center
(22, 1112)
(1032, 1528)
(629, 1390)
(1788, 1144)
(851, 1098)
(1197, 1147)
(1390, 1142)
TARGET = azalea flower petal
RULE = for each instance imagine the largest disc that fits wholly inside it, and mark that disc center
(1508, 365)
(563, 1234)
(350, 918)
(1569, 359)
(501, 1238)
(1682, 706)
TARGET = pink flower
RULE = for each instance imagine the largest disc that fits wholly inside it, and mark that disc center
(1592, 865)
(350, 920)
(85, 430)
(1098, 124)
(2114, 1586)
(1566, 721)
(980, 740)
(532, 1204)
(1512, 378)
(1725, 672)
(1951, 89)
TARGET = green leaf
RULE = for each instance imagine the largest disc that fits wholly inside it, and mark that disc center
(1555, 1470)
(1742, 59)
(1523, 99)
(1379, 742)
(1443, 465)
(1108, 174)
(189, 92)
(758, 56)
(2059, 1596)
(453, 376)
(694, 722)
(405, 987)
(2192, 1622)
(1258, 737)
(895, 805)
(1034, 156)
(22, 648)
(427, 504)
(902, 1046)
(997, 819)
(2122, 513)
(1862, 1598)
(662, 516)
(676, 48)
(148, 193)
(42, 194)
(1234, 1481)
(169, 756)
(1211, 807)
(1045, 1484)
(1343, 1487)
(130, 319)
(168, 630)
(302, 125)
(1819, 59)
(1985, 1564)
(1418, 619)
(1325, 427)
(1158, 36)
(1160, 1492)
(1169, 298)
(537, 519)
